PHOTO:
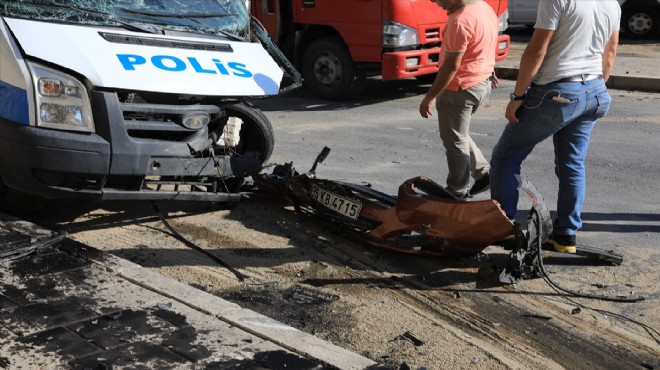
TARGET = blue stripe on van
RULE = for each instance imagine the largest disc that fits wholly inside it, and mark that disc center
(14, 104)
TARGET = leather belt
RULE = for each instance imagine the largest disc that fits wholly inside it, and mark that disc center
(580, 78)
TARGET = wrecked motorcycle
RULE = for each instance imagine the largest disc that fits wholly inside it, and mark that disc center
(424, 218)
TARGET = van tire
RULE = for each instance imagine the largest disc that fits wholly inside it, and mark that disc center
(3, 190)
(329, 72)
(641, 22)
(256, 132)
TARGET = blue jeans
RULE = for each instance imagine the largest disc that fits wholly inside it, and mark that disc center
(567, 111)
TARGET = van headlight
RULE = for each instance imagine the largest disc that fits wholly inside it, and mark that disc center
(396, 35)
(61, 100)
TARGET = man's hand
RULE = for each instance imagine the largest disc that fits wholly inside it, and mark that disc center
(494, 82)
(426, 107)
(511, 110)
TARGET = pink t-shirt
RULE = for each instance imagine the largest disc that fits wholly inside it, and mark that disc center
(473, 31)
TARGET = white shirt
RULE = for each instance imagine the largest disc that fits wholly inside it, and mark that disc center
(581, 31)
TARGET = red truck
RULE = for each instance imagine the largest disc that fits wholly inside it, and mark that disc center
(337, 44)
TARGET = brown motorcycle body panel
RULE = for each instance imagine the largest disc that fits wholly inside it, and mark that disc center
(423, 219)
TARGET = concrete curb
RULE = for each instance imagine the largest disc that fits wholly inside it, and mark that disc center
(645, 84)
(259, 325)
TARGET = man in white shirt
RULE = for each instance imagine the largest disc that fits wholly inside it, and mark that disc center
(560, 92)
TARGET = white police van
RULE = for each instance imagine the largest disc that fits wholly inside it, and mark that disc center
(132, 99)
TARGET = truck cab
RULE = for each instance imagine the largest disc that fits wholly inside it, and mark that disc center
(132, 99)
(337, 44)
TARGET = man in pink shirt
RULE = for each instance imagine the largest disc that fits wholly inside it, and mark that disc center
(463, 83)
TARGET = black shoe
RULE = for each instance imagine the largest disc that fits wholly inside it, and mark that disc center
(480, 185)
(563, 243)
(458, 196)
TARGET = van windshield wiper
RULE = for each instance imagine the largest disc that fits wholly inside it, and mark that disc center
(179, 15)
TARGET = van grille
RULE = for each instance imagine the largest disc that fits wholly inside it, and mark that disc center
(160, 121)
(164, 43)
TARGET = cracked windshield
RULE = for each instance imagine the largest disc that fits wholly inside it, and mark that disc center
(204, 16)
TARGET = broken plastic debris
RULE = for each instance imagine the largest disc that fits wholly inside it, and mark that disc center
(164, 306)
(537, 316)
(481, 257)
(410, 337)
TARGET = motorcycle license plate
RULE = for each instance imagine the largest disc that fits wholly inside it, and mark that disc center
(342, 205)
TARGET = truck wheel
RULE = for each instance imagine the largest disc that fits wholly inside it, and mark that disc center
(641, 22)
(256, 133)
(3, 189)
(329, 72)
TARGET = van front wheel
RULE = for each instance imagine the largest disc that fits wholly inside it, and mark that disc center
(255, 140)
(256, 133)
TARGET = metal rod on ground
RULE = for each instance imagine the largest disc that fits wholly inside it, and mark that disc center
(192, 245)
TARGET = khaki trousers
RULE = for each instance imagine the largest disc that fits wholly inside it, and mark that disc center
(464, 159)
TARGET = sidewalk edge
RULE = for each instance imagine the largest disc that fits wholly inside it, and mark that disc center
(644, 84)
(262, 326)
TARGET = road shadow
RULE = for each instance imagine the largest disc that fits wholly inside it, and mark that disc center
(330, 240)
(376, 91)
(309, 239)
(618, 222)
(64, 215)
(314, 242)
(263, 213)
